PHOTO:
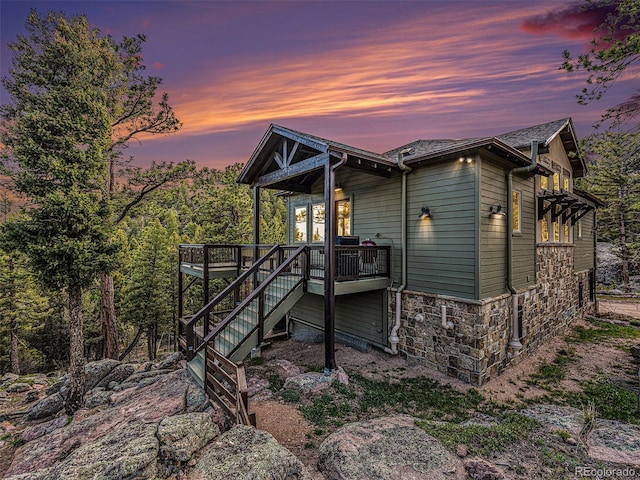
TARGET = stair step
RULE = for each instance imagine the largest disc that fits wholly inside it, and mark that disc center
(196, 368)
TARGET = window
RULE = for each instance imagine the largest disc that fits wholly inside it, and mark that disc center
(515, 211)
(317, 222)
(544, 183)
(556, 231)
(556, 181)
(579, 228)
(300, 228)
(566, 183)
(544, 229)
(343, 217)
(566, 233)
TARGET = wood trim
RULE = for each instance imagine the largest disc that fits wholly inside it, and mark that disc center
(309, 165)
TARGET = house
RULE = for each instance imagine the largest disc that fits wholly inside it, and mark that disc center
(464, 255)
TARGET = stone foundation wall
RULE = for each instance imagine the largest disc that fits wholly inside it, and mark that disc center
(476, 346)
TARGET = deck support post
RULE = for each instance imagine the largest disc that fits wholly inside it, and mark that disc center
(330, 263)
(256, 223)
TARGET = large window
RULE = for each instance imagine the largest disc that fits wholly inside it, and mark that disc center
(314, 229)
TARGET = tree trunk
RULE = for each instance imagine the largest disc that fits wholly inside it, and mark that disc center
(108, 317)
(75, 396)
(624, 249)
(132, 345)
(14, 359)
(13, 354)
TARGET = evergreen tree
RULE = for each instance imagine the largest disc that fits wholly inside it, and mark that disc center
(56, 137)
(22, 311)
(147, 296)
(614, 48)
(614, 176)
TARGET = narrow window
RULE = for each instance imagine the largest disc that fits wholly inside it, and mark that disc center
(544, 183)
(544, 228)
(566, 184)
(556, 231)
(515, 209)
(556, 181)
(566, 233)
(579, 229)
(343, 217)
(300, 231)
(317, 222)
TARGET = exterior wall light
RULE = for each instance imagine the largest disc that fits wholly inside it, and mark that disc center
(425, 213)
(465, 159)
(496, 210)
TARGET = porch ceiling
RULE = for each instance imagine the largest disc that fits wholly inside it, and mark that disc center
(286, 159)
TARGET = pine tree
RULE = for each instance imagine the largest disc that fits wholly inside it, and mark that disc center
(56, 136)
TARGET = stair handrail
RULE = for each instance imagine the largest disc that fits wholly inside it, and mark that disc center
(253, 295)
(222, 295)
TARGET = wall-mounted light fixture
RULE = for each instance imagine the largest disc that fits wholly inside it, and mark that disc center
(465, 159)
(425, 213)
(496, 210)
(338, 188)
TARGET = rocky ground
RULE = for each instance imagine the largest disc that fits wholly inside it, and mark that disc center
(151, 421)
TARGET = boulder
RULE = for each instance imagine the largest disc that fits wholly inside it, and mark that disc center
(57, 386)
(387, 448)
(148, 405)
(96, 371)
(8, 378)
(97, 396)
(171, 362)
(46, 407)
(244, 453)
(18, 388)
(118, 375)
(129, 451)
(182, 435)
(314, 381)
(479, 469)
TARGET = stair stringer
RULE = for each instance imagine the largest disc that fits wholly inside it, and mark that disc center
(244, 349)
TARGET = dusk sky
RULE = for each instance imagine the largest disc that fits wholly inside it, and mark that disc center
(373, 75)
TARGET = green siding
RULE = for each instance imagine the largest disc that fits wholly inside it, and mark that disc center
(375, 209)
(493, 228)
(583, 252)
(524, 244)
(363, 315)
(441, 249)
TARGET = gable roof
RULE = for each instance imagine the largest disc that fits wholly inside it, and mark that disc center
(263, 160)
(544, 134)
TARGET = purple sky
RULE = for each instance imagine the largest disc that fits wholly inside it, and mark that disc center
(374, 75)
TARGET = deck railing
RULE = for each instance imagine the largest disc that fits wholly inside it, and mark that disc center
(352, 262)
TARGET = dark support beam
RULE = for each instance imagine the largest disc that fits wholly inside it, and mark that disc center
(293, 170)
(256, 222)
(329, 269)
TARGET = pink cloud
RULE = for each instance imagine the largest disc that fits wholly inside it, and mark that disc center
(157, 65)
(577, 21)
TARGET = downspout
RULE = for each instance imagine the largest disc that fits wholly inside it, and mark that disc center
(393, 337)
(514, 343)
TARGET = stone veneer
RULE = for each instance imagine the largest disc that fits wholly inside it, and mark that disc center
(477, 347)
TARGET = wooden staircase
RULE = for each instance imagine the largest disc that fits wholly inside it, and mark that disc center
(212, 349)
